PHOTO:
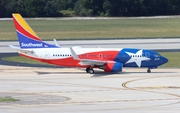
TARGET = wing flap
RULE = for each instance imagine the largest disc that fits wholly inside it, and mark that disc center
(92, 62)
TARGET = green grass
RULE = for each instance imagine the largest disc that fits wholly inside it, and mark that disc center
(8, 99)
(92, 29)
(172, 56)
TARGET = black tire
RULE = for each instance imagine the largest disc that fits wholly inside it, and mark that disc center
(91, 71)
(87, 69)
(148, 71)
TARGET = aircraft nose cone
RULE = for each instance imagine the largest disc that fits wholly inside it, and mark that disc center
(164, 60)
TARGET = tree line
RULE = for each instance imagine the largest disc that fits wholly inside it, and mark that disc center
(58, 8)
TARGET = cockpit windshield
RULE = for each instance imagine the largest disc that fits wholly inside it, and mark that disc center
(157, 55)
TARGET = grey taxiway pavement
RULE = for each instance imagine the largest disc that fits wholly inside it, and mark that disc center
(69, 90)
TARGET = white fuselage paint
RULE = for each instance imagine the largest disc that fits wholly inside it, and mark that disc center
(47, 53)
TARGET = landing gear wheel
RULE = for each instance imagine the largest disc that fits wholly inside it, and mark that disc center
(91, 71)
(149, 71)
(87, 69)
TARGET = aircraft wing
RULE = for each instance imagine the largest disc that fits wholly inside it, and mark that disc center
(14, 47)
(92, 62)
(87, 61)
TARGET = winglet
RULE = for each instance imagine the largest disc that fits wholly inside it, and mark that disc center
(56, 43)
(74, 55)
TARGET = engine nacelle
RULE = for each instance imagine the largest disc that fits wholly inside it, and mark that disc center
(113, 67)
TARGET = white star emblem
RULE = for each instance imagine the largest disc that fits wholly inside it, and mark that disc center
(137, 57)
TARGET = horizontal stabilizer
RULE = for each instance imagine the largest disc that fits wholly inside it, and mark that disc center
(14, 47)
(20, 50)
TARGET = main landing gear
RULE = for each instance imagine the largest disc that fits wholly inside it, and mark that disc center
(148, 70)
(89, 70)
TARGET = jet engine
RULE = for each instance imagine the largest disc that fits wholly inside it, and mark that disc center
(112, 67)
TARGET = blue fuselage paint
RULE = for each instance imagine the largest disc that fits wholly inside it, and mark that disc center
(155, 59)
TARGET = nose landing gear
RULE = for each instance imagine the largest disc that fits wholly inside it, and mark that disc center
(148, 70)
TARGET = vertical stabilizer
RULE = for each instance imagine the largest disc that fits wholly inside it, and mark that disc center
(26, 36)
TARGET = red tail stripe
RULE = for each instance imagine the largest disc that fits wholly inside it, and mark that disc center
(23, 31)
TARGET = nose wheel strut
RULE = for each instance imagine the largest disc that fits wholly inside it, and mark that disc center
(148, 70)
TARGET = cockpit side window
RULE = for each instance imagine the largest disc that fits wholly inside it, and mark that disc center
(156, 55)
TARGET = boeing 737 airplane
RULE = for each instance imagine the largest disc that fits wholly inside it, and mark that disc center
(107, 59)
